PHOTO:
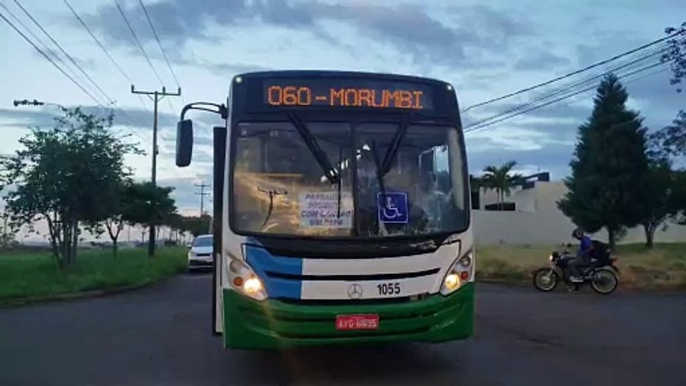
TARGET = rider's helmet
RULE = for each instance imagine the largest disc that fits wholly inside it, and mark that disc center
(577, 233)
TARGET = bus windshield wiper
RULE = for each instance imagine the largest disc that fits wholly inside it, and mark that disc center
(393, 148)
(330, 173)
(383, 167)
(379, 181)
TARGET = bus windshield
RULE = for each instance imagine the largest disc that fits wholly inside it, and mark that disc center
(279, 187)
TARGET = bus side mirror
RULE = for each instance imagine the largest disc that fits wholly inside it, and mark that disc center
(184, 143)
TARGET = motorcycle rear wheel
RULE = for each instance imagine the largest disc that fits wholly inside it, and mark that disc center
(545, 279)
(609, 280)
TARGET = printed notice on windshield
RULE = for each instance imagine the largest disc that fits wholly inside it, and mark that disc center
(320, 209)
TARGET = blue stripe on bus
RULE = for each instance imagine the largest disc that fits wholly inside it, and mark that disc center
(262, 262)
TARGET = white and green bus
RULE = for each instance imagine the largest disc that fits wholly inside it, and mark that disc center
(341, 210)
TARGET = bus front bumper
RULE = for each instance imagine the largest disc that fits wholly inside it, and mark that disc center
(273, 324)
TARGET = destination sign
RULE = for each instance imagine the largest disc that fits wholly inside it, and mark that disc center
(348, 93)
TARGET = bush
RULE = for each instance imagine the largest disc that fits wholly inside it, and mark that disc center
(34, 274)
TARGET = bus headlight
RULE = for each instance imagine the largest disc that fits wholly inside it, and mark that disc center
(458, 274)
(245, 281)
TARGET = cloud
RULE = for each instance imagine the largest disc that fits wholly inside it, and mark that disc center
(546, 137)
(553, 158)
(22, 116)
(541, 60)
(559, 112)
(654, 97)
(222, 69)
(409, 28)
(184, 192)
(132, 117)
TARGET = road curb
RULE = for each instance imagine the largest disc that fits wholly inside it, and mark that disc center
(678, 289)
(505, 282)
(19, 302)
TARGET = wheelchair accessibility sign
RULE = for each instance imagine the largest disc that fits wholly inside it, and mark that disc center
(394, 210)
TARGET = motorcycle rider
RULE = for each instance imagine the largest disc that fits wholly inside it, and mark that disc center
(583, 256)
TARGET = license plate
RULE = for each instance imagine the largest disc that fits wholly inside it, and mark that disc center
(357, 322)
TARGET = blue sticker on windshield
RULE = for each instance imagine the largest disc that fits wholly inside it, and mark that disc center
(394, 210)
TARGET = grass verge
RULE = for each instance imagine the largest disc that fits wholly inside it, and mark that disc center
(31, 276)
(660, 268)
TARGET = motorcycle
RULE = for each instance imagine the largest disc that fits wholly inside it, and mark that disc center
(601, 275)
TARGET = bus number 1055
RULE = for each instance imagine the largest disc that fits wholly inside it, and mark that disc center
(388, 288)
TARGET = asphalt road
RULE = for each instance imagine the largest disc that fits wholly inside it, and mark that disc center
(160, 336)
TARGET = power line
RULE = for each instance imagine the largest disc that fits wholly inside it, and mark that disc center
(564, 89)
(97, 41)
(159, 43)
(102, 47)
(50, 60)
(473, 129)
(138, 42)
(110, 101)
(140, 46)
(592, 78)
(679, 32)
(481, 126)
(63, 51)
(39, 40)
(625, 83)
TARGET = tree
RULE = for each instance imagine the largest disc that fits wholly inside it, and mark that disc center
(115, 212)
(609, 166)
(7, 233)
(659, 203)
(676, 53)
(61, 174)
(678, 196)
(175, 224)
(147, 204)
(198, 225)
(500, 179)
(673, 137)
(671, 140)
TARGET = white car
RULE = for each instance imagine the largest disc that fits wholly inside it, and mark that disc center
(200, 253)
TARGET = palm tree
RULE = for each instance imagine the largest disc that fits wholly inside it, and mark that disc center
(500, 179)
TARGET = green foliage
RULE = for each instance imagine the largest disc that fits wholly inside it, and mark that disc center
(609, 167)
(676, 53)
(146, 204)
(66, 176)
(132, 203)
(197, 225)
(501, 179)
(659, 202)
(672, 139)
(31, 274)
(678, 196)
(7, 233)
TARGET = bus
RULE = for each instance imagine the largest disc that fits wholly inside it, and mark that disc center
(341, 212)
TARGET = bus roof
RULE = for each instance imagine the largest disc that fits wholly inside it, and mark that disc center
(340, 74)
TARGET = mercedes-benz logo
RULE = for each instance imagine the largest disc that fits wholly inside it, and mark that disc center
(355, 291)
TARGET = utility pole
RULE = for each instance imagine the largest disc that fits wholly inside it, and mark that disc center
(156, 96)
(202, 195)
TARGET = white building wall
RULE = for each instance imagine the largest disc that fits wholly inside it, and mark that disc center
(538, 221)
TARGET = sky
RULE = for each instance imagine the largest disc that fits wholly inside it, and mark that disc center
(485, 49)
